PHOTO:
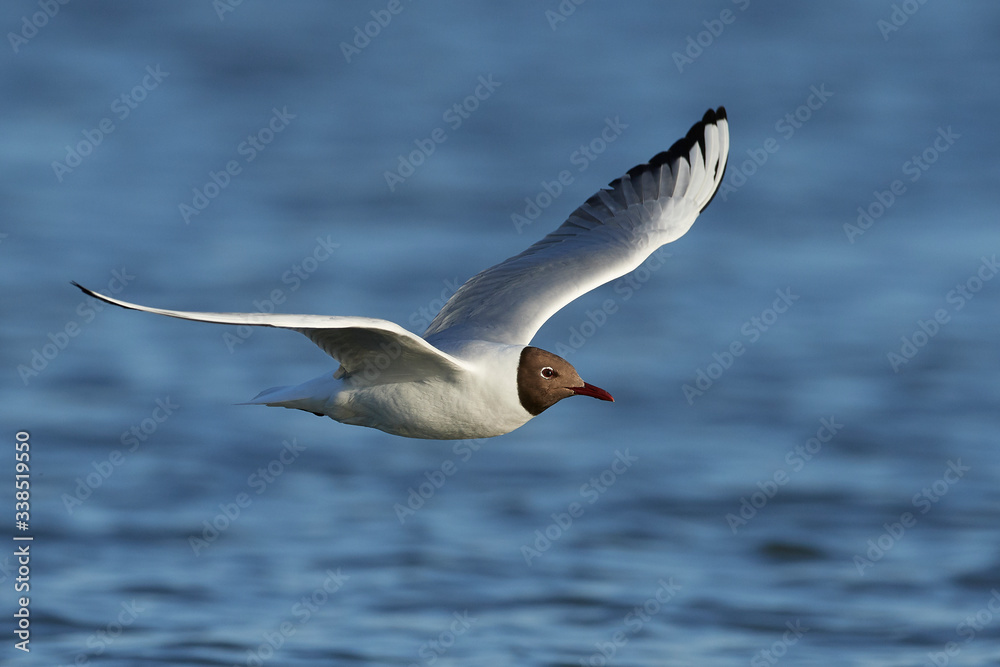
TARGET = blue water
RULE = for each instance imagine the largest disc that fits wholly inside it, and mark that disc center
(822, 493)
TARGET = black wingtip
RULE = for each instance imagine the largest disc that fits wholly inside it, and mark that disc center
(719, 114)
(682, 147)
(91, 293)
(713, 115)
(83, 289)
(696, 135)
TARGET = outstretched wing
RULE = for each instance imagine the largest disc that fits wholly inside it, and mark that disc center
(611, 234)
(375, 351)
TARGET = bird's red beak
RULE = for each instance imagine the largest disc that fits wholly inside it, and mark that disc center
(590, 390)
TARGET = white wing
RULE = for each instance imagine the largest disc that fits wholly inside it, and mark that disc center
(377, 351)
(611, 234)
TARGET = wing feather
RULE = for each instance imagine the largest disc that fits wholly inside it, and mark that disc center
(610, 234)
(374, 351)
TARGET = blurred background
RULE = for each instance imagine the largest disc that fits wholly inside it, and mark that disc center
(802, 461)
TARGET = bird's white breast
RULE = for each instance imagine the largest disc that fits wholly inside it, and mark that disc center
(479, 403)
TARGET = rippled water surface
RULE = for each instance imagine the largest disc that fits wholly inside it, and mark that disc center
(801, 466)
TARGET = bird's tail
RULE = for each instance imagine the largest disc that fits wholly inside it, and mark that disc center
(313, 396)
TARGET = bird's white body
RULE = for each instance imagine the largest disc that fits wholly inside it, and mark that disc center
(473, 373)
(479, 403)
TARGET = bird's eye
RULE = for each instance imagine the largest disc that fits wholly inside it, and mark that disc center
(547, 372)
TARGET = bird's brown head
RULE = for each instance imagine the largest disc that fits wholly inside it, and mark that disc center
(544, 379)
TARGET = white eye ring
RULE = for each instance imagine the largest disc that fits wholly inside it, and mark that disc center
(547, 372)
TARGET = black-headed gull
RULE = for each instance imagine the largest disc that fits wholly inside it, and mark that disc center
(473, 373)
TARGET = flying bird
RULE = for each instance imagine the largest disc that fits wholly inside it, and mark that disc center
(473, 373)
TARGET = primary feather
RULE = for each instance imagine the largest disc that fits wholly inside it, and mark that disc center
(611, 234)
